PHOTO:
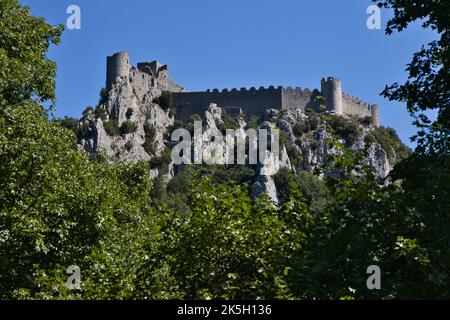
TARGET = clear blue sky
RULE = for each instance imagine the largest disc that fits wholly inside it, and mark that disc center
(233, 44)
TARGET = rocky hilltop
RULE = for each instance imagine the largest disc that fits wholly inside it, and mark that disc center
(131, 124)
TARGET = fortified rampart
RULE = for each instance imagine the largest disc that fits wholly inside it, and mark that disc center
(149, 75)
(251, 101)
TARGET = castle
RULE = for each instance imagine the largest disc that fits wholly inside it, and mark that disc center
(150, 75)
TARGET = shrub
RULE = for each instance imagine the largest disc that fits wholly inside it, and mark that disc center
(391, 143)
(344, 128)
(128, 127)
(129, 145)
(165, 158)
(254, 122)
(71, 124)
(195, 117)
(298, 129)
(100, 113)
(306, 126)
(369, 139)
(150, 134)
(87, 111)
(293, 153)
(366, 121)
(229, 122)
(165, 100)
(112, 127)
(104, 94)
(313, 121)
(315, 144)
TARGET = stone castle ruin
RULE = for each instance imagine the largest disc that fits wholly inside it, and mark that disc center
(151, 76)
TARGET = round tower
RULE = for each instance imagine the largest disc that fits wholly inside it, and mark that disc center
(117, 65)
(332, 92)
(375, 113)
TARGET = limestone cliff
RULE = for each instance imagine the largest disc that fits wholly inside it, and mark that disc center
(130, 124)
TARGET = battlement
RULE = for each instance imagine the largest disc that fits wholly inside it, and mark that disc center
(251, 101)
(297, 90)
(355, 100)
(330, 80)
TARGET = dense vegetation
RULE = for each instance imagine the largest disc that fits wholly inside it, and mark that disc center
(202, 236)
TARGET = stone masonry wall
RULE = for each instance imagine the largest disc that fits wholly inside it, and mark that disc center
(251, 101)
(355, 107)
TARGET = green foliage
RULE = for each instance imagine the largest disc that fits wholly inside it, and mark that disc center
(344, 128)
(428, 73)
(81, 130)
(310, 124)
(70, 123)
(164, 159)
(88, 110)
(112, 127)
(254, 122)
(150, 133)
(128, 127)
(104, 94)
(230, 174)
(391, 143)
(101, 113)
(243, 247)
(367, 121)
(129, 145)
(314, 192)
(25, 72)
(165, 100)
(195, 117)
(204, 237)
(229, 122)
(57, 208)
(293, 153)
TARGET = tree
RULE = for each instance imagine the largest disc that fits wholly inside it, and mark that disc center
(225, 247)
(427, 87)
(25, 71)
(58, 208)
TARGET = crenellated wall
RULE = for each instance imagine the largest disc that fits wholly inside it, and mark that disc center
(298, 98)
(252, 101)
(355, 107)
(149, 75)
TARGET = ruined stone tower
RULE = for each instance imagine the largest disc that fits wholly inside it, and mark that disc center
(117, 65)
(375, 114)
(332, 92)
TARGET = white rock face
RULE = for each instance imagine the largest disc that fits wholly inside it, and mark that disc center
(378, 160)
(315, 150)
(126, 102)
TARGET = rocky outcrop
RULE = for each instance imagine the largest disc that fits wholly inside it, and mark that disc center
(124, 103)
(305, 144)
